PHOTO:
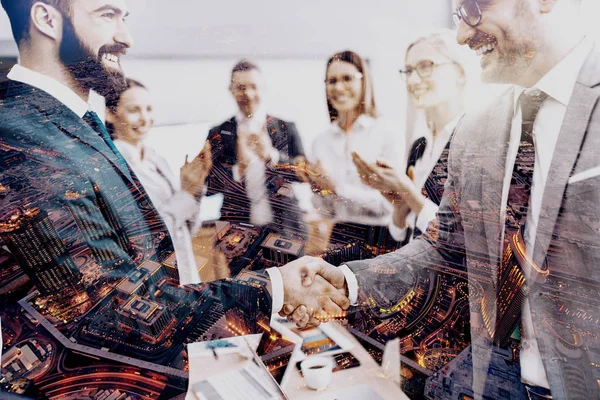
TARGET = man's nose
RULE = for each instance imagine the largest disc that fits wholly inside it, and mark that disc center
(464, 32)
(413, 78)
(123, 36)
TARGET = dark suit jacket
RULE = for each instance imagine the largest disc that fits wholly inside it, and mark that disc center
(285, 139)
(95, 243)
(565, 308)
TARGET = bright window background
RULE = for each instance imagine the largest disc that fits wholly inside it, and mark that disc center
(185, 49)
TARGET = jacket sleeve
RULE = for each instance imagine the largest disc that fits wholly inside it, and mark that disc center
(442, 246)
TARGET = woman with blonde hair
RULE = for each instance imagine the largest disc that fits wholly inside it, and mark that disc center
(355, 127)
(436, 80)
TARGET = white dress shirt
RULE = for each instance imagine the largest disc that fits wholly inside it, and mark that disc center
(179, 209)
(51, 86)
(422, 169)
(373, 140)
(261, 212)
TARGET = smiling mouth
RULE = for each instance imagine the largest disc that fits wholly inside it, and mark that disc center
(484, 49)
(111, 58)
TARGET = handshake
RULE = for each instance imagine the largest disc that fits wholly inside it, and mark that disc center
(314, 291)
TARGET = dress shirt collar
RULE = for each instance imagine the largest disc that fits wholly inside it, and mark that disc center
(449, 128)
(363, 122)
(559, 82)
(51, 86)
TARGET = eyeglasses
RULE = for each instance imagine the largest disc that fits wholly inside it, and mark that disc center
(345, 79)
(424, 68)
(469, 12)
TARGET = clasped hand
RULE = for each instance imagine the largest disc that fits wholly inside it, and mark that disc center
(314, 291)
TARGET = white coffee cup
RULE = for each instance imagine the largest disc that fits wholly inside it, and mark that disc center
(317, 372)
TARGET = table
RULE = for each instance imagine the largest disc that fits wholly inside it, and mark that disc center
(369, 373)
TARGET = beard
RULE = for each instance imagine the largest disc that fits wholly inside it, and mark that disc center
(87, 68)
(521, 46)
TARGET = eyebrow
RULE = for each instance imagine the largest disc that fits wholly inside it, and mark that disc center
(107, 7)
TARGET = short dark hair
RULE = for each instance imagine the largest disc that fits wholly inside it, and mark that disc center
(244, 65)
(19, 11)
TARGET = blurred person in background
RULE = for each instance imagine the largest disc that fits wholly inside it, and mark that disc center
(340, 196)
(130, 118)
(435, 76)
(246, 150)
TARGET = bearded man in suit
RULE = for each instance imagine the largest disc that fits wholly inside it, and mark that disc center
(520, 214)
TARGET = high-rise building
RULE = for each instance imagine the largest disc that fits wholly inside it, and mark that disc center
(109, 255)
(32, 239)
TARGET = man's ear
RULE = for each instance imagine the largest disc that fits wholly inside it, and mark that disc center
(546, 5)
(47, 20)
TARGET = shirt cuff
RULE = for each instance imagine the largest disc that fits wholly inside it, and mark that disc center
(427, 213)
(277, 289)
(235, 170)
(352, 284)
(399, 234)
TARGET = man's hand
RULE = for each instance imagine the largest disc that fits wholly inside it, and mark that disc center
(193, 174)
(260, 144)
(313, 290)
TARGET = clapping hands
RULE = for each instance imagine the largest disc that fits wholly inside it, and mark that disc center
(314, 290)
(315, 175)
(194, 173)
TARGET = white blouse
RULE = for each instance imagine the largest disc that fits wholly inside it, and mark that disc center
(179, 209)
(353, 201)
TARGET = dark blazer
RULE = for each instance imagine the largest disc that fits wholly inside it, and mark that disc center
(564, 306)
(90, 240)
(236, 206)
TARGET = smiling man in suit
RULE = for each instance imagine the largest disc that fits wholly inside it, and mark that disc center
(246, 150)
(520, 214)
(77, 222)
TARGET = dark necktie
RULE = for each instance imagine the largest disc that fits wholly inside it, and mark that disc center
(512, 287)
(92, 119)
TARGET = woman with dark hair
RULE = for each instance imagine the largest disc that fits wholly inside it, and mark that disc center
(129, 119)
(355, 127)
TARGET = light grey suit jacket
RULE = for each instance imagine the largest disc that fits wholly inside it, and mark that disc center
(465, 238)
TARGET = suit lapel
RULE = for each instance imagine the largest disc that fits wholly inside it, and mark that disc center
(570, 139)
(69, 123)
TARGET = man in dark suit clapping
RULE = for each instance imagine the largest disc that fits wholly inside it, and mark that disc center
(246, 150)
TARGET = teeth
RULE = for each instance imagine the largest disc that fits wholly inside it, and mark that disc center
(111, 58)
(485, 48)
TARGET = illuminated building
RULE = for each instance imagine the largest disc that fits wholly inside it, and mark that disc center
(281, 250)
(146, 316)
(110, 254)
(34, 242)
(137, 281)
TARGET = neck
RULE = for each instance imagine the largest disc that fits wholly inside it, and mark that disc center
(555, 49)
(52, 67)
(346, 119)
(139, 146)
(442, 114)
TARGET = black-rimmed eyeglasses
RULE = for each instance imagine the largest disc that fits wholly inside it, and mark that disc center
(469, 12)
(424, 68)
